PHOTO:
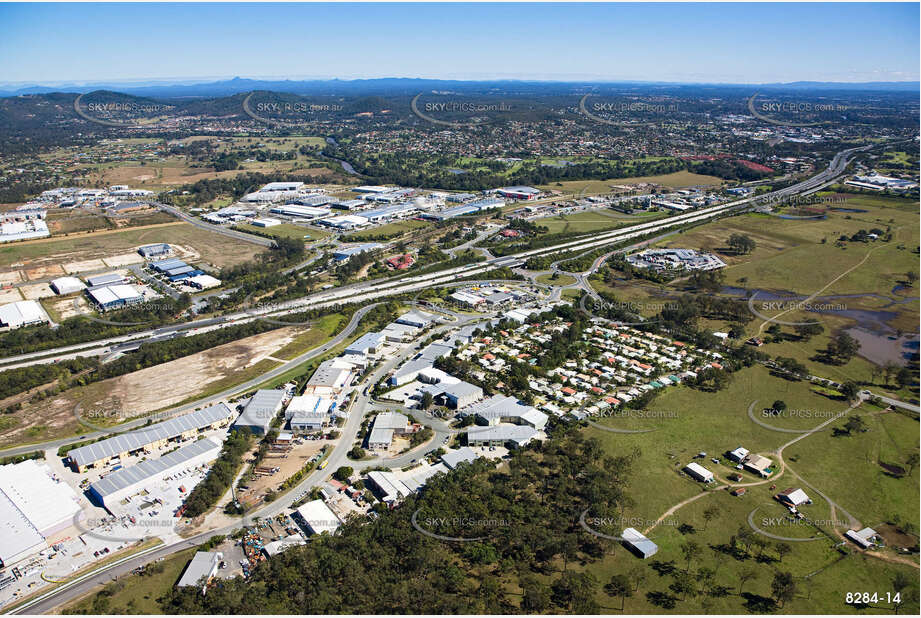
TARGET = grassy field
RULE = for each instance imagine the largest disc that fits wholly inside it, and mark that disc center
(582, 222)
(675, 180)
(845, 469)
(287, 230)
(791, 254)
(321, 331)
(388, 230)
(560, 280)
(213, 248)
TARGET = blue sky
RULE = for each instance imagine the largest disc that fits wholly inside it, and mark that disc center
(742, 43)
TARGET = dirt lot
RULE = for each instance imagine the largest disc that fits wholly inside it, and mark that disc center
(140, 392)
(10, 296)
(44, 258)
(289, 462)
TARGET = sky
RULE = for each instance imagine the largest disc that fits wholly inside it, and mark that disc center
(713, 43)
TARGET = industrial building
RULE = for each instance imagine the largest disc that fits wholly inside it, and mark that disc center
(154, 251)
(33, 506)
(316, 518)
(11, 231)
(266, 222)
(386, 424)
(455, 394)
(203, 282)
(149, 438)
(519, 192)
(259, 412)
(114, 296)
(309, 413)
(698, 472)
(415, 319)
(501, 435)
(126, 482)
(330, 378)
(426, 359)
(503, 409)
(369, 343)
(107, 279)
(67, 285)
(303, 212)
(345, 222)
(455, 457)
(201, 570)
(22, 313)
(639, 544)
(340, 255)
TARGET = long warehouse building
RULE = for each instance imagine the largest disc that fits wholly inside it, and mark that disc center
(33, 506)
(149, 438)
(124, 483)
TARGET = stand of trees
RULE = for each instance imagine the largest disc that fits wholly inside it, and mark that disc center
(529, 516)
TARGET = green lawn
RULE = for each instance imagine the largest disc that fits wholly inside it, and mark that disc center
(286, 230)
(843, 468)
(388, 230)
(560, 280)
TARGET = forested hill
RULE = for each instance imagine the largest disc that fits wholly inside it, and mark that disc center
(527, 513)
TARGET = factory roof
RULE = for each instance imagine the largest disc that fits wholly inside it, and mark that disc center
(134, 440)
(152, 468)
(261, 409)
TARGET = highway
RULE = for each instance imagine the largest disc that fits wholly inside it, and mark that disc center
(370, 290)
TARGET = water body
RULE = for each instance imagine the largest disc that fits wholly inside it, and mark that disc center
(848, 209)
(882, 349)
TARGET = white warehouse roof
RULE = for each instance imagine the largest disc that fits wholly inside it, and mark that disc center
(22, 313)
(318, 517)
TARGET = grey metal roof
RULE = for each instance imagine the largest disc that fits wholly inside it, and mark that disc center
(455, 457)
(640, 542)
(120, 479)
(261, 409)
(366, 341)
(135, 440)
(201, 565)
(518, 433)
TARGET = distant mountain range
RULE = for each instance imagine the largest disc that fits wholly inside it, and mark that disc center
(405, 86)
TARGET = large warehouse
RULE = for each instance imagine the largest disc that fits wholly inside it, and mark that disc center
(260, 411)
(33, 506)
(316, 518)
(149, 438)
(124, 483)
(115, 296)
(309, 413)
(67, 285)
(22, 313)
